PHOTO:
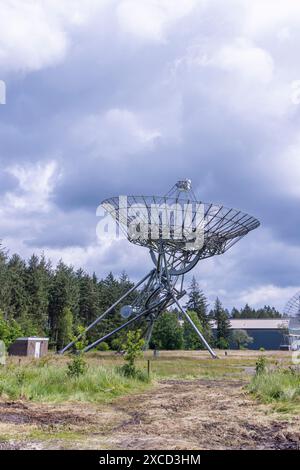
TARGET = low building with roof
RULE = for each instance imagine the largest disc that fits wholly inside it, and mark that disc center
(267, 333)
(30, 346)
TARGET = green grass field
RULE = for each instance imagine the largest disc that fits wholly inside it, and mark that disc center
(51, 383)
(47, 379)
(42, 406)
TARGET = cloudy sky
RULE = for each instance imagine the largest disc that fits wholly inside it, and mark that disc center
(109, 97)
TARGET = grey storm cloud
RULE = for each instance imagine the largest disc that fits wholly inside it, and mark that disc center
(126, 97)
(7, 182)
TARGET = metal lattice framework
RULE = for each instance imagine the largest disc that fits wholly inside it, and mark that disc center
(179, 231)
(292, 311)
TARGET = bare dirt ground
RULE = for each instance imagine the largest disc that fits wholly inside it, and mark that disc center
(175, 414)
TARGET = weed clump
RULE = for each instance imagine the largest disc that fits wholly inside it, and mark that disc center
(279, 385)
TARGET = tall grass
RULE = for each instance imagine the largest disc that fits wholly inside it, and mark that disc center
(52, 383)
(277, 386)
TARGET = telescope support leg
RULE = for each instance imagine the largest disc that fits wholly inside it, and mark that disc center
(108, 335)
(106, 312)
(212, 353)
(148, 335)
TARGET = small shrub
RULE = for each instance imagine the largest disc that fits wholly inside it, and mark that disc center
(78, 364)
(103, 346)
(223, 343)
(20, 377)
(262, 349)
(116, 344)
(133, 350)
(9, 330)
(260, 366)
(135, 373)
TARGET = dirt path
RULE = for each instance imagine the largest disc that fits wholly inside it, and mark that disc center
(176, 414)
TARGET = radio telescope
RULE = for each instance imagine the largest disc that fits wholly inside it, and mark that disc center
(292, 311)
(179, 231)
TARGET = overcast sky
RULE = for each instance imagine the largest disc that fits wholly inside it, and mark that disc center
(109, 97)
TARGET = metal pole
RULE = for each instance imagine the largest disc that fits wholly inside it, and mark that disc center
(213, 354)
(93, 345)
(148, 335)
(106, 312)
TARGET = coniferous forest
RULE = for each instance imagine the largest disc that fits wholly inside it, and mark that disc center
(37, 299)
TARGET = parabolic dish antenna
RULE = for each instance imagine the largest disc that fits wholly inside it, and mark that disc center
(173, 222)
(179, 231)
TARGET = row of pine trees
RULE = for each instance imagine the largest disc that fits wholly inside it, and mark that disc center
(39, 299)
